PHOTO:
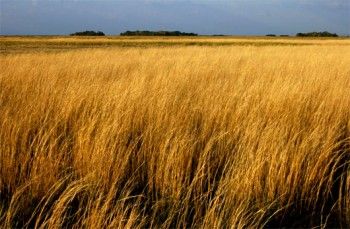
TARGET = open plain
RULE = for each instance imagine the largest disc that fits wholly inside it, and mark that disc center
(140, 132)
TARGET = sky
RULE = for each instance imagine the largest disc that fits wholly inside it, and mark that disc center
(228, 17)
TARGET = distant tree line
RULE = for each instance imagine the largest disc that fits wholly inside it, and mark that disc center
(312, 34)
(317, 34)
(156, 33)
(88, 33)
(274, 35)
(178, 33)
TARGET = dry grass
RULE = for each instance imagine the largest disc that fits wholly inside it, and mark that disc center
(178, 137)
(25, 44)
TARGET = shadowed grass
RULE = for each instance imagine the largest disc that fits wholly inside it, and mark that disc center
(27, 44)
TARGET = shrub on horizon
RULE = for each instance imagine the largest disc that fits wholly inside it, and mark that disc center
(88, 33)
(156, 33)
(317, 34)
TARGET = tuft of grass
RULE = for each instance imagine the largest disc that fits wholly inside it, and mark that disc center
(229, 136)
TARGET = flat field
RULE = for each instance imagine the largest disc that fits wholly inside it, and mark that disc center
(204, 132)
(18, 44)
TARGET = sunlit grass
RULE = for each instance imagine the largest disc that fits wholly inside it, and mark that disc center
(240, 136)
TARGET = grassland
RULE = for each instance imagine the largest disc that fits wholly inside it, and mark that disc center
(132, 133)
(18, 44)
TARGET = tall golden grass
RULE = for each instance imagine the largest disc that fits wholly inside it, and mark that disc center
(176, 137)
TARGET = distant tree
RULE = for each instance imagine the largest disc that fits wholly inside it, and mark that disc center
(156, 33)
(270, 35)
(317, 34)
(88, 33)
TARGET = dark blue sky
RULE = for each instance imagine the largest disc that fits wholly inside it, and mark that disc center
(238, 17)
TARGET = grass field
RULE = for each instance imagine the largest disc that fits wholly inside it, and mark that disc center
(18, 44)
(174, 132)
